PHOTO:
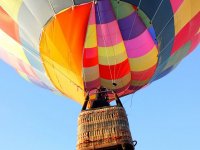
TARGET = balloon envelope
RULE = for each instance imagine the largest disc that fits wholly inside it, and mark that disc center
(71, 47)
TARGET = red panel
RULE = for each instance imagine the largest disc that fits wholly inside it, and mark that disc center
(8, 25)
(90, 57)
(143, 75)
(195, 41)
(186, 34)
(114, 71)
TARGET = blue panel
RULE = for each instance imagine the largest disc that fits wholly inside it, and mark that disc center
(32, 55)
(153, 34)
(164, 73)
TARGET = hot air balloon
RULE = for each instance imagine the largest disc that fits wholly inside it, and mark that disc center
(74, 47)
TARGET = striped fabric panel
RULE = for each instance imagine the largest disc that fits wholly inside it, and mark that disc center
(12, 44)
(186, 33)
(113, 62)
(160, 15)
(141, 49)
(12, 54)
(148, 25)
(90, 55)
(122, 83)
(8, 25)
(181, 18)
(187, 38)
(30, 17)
(11, 7)
(24, 70)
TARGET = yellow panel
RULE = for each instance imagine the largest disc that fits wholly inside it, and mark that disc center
(91, 37)
(60, 74)
(139, 83)
(145, 62)
(23, 75)
(112, 55)
(91, 73)
(11, 7)
(12, 47)
(120, 82)
(185, 13)
(61, 49)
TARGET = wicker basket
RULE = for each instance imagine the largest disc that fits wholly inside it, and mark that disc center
(102, 128)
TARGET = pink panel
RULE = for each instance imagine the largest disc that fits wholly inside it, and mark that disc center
(92, 19)
(92, 84)
(176, 4)
(108, 34)
(4, 56)
(140, 45)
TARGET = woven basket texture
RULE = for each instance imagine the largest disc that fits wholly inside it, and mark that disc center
(103, 127)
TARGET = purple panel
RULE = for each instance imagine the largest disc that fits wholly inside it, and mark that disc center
(104, 12)
(131, 26)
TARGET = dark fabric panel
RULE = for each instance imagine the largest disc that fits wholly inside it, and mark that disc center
(59, 5)
(78, 2)
(166, 40)
(134, 2)
(164, 73)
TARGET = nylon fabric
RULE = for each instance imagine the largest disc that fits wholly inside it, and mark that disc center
(67, 57)
(76, 46)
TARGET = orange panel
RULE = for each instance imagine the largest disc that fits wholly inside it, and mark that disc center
(8, 25)
(61, 48)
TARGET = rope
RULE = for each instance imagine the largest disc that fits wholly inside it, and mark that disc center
(134, 21)
(52, 7)
(156, 11)
(165, 26)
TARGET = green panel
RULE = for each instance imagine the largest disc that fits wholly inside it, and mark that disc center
(122, 9)
(144, 17)
(178, 56)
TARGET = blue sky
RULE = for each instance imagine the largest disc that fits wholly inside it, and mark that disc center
(163, 116)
